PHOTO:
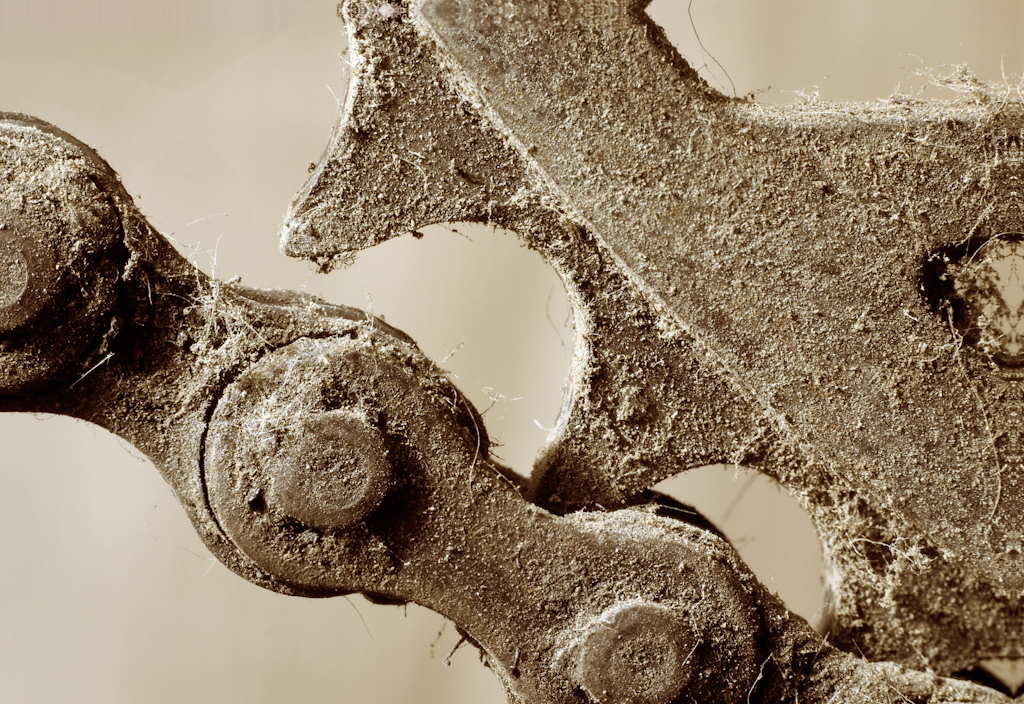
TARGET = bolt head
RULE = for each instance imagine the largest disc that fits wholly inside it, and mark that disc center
(636, 653)
(13, 275)
(297, 459)
(61, 257)
(27, 280)
(334, 474)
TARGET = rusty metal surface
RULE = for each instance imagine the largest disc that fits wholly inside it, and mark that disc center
(826, 292)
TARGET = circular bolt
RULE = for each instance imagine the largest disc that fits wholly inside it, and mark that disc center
(62, 256)
(636, 653)
(27, 280)
(13, 276)
(334, 474)
(295, 463)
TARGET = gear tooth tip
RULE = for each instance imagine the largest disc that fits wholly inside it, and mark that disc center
(298, 238)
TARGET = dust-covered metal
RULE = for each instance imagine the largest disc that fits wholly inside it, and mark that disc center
(828, 293)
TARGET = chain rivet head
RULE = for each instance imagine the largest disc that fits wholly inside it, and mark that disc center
(636, 653)
(27, 280)
(13, 275)
(334, 474)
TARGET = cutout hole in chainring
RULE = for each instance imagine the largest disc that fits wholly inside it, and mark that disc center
(979, 286)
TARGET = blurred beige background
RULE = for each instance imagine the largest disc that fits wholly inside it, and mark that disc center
(212, 111)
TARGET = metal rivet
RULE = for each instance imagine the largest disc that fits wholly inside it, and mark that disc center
(13, 275)
(636, 653)
(27, 280)
(334, 474)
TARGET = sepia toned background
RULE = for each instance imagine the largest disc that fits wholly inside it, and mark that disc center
(211, 111)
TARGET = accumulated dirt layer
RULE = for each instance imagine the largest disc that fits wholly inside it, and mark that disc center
(756, 283)
(794, 288)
